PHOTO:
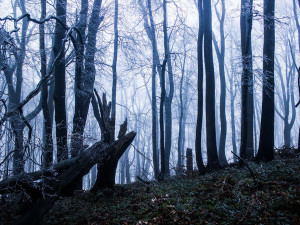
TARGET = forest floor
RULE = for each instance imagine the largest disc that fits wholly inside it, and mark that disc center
(227, 196)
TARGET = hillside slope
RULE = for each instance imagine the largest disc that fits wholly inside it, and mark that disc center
(228, 196)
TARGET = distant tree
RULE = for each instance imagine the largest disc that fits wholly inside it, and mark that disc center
(287, 98)
(266, 139)
(169, 94)
(233, 90)
(150, 30)
(13, 72)
(221, 58)
(183, 103)
(212, 153)
(114, 68)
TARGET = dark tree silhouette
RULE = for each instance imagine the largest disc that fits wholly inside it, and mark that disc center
(212, 154)
(266, 140)
(221, 58)
(246, 147)
(199, 159)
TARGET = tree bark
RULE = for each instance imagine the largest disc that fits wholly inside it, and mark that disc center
(150, 29)
(48, 144)
(161, 121)
(114, 70)
(212, 154)
(60, 82)
(246, 147)
(84, 76)
(266, 140)
(198, 140)
(168, 96)
(221, 58)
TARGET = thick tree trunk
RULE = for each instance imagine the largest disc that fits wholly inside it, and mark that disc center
(18, 160)
(199, 159)
(246, 147)
(212, 154)
(81, 97)
(189, 160)
(84, 76)
(60, 82)
(266, 140)
(107, 168)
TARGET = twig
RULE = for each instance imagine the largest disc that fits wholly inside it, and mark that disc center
(251, 172)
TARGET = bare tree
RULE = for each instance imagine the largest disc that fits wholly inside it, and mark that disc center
(246, 147)
(198, 140)
(266, 139)
(168, 95)
(60, 82)
(14, 78)
(150, 29)
(221, 58)
(287, 98)
(212, 153)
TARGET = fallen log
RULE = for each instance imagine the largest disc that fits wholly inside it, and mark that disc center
(64, 175)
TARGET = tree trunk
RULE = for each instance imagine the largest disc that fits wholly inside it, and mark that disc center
(114, 70)
(60, 82)
(199, 159)
(161, 120)
(48, 143)
(168, 96)
(150, 29)
(107, 169)
(246, 147)
(233, 135)
(189, 160)
(212, 154)
(127, 168)
(181, 115)
(221, 58)
(84, 76)
(266, 140)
